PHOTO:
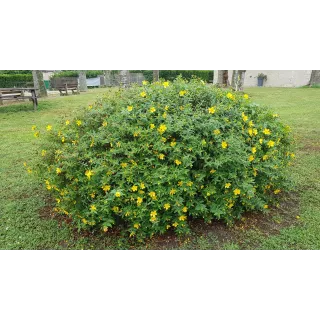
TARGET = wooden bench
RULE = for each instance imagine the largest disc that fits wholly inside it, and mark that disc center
(18, 94)
(63, 84)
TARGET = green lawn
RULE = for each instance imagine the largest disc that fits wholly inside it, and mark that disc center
(26, 218)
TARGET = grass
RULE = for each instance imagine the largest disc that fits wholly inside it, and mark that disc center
(27, 221)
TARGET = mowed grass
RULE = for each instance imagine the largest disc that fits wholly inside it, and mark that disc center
(26, 220)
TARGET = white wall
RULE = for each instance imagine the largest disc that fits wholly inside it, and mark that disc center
(277, 78)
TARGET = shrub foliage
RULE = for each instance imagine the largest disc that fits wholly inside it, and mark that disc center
(152, 158)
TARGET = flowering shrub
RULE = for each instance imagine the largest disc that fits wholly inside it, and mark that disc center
(151, 158)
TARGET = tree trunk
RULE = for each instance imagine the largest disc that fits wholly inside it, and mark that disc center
(39, 83)
(124, 78)
(107, 78)
(220, 77)
(83, 81)
(315, 77)
(238, 79)
(156, 75)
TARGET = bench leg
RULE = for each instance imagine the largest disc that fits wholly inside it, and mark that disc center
(35, 100)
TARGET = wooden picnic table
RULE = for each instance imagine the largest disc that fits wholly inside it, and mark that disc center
(17, 94)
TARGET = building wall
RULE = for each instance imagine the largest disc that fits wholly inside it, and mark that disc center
(279, 75)
(277, 78)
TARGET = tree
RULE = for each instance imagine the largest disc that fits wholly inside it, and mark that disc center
(238, 79)
(124, 78)
(156, 75)
(107, 77)
(83, 80)
(220, 77)
(315, 77)
(39, 83)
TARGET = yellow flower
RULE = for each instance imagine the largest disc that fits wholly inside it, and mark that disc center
(265, 157)
(227, 185)
(230, 96)
(166, 108)
(251, 124)
(277, 191)
(270, 143)
(90, 107)
(255, 131)
(184, 209)
(251, 158)
(143, 94)
(183, 218)
(260, 141)
(161, 156)
(167, 206)
(123, 164)
(33, 128)
(43, 152)
(142, 186)
(275, 115)
(152, 194)
(266, 206)
(29, 170)
(224, 144)
(78, 122)
(266, 131)
(162, 128)
(216, 131)
(173, 143)
(212, 110)
(105, 229)
(49, 127)
(152, 126)
(89, 174)
(92, 195)
(130, 108)
(139, 201)
(136, 225)
(58, 170)
(245, 96)
(134, 188)
(175, 224)
(189, 184)
(67, 122)
(236, 191)
(177, 162)
(182, 93)
(115, 209)
(152, 109)
(168, 226)
(84, 221)
(244, 117)
(118, 194)
(106, 188)
(166, 84)
(136, 134)
(93, 208)
(144, 82)
(63, 139)
(213, 171)
(254, 149)
(180, 183)
(173, 191)
(153, 214)
(104, 123)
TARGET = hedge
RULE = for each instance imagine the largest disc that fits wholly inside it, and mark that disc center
(75, 73)
(15, 80)
(205, 75)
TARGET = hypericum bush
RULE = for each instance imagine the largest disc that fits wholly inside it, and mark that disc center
(151, 158)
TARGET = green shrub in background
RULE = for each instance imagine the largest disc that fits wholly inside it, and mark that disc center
(15, 80)
(149, 159)
(205, 75)
(75, 73)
